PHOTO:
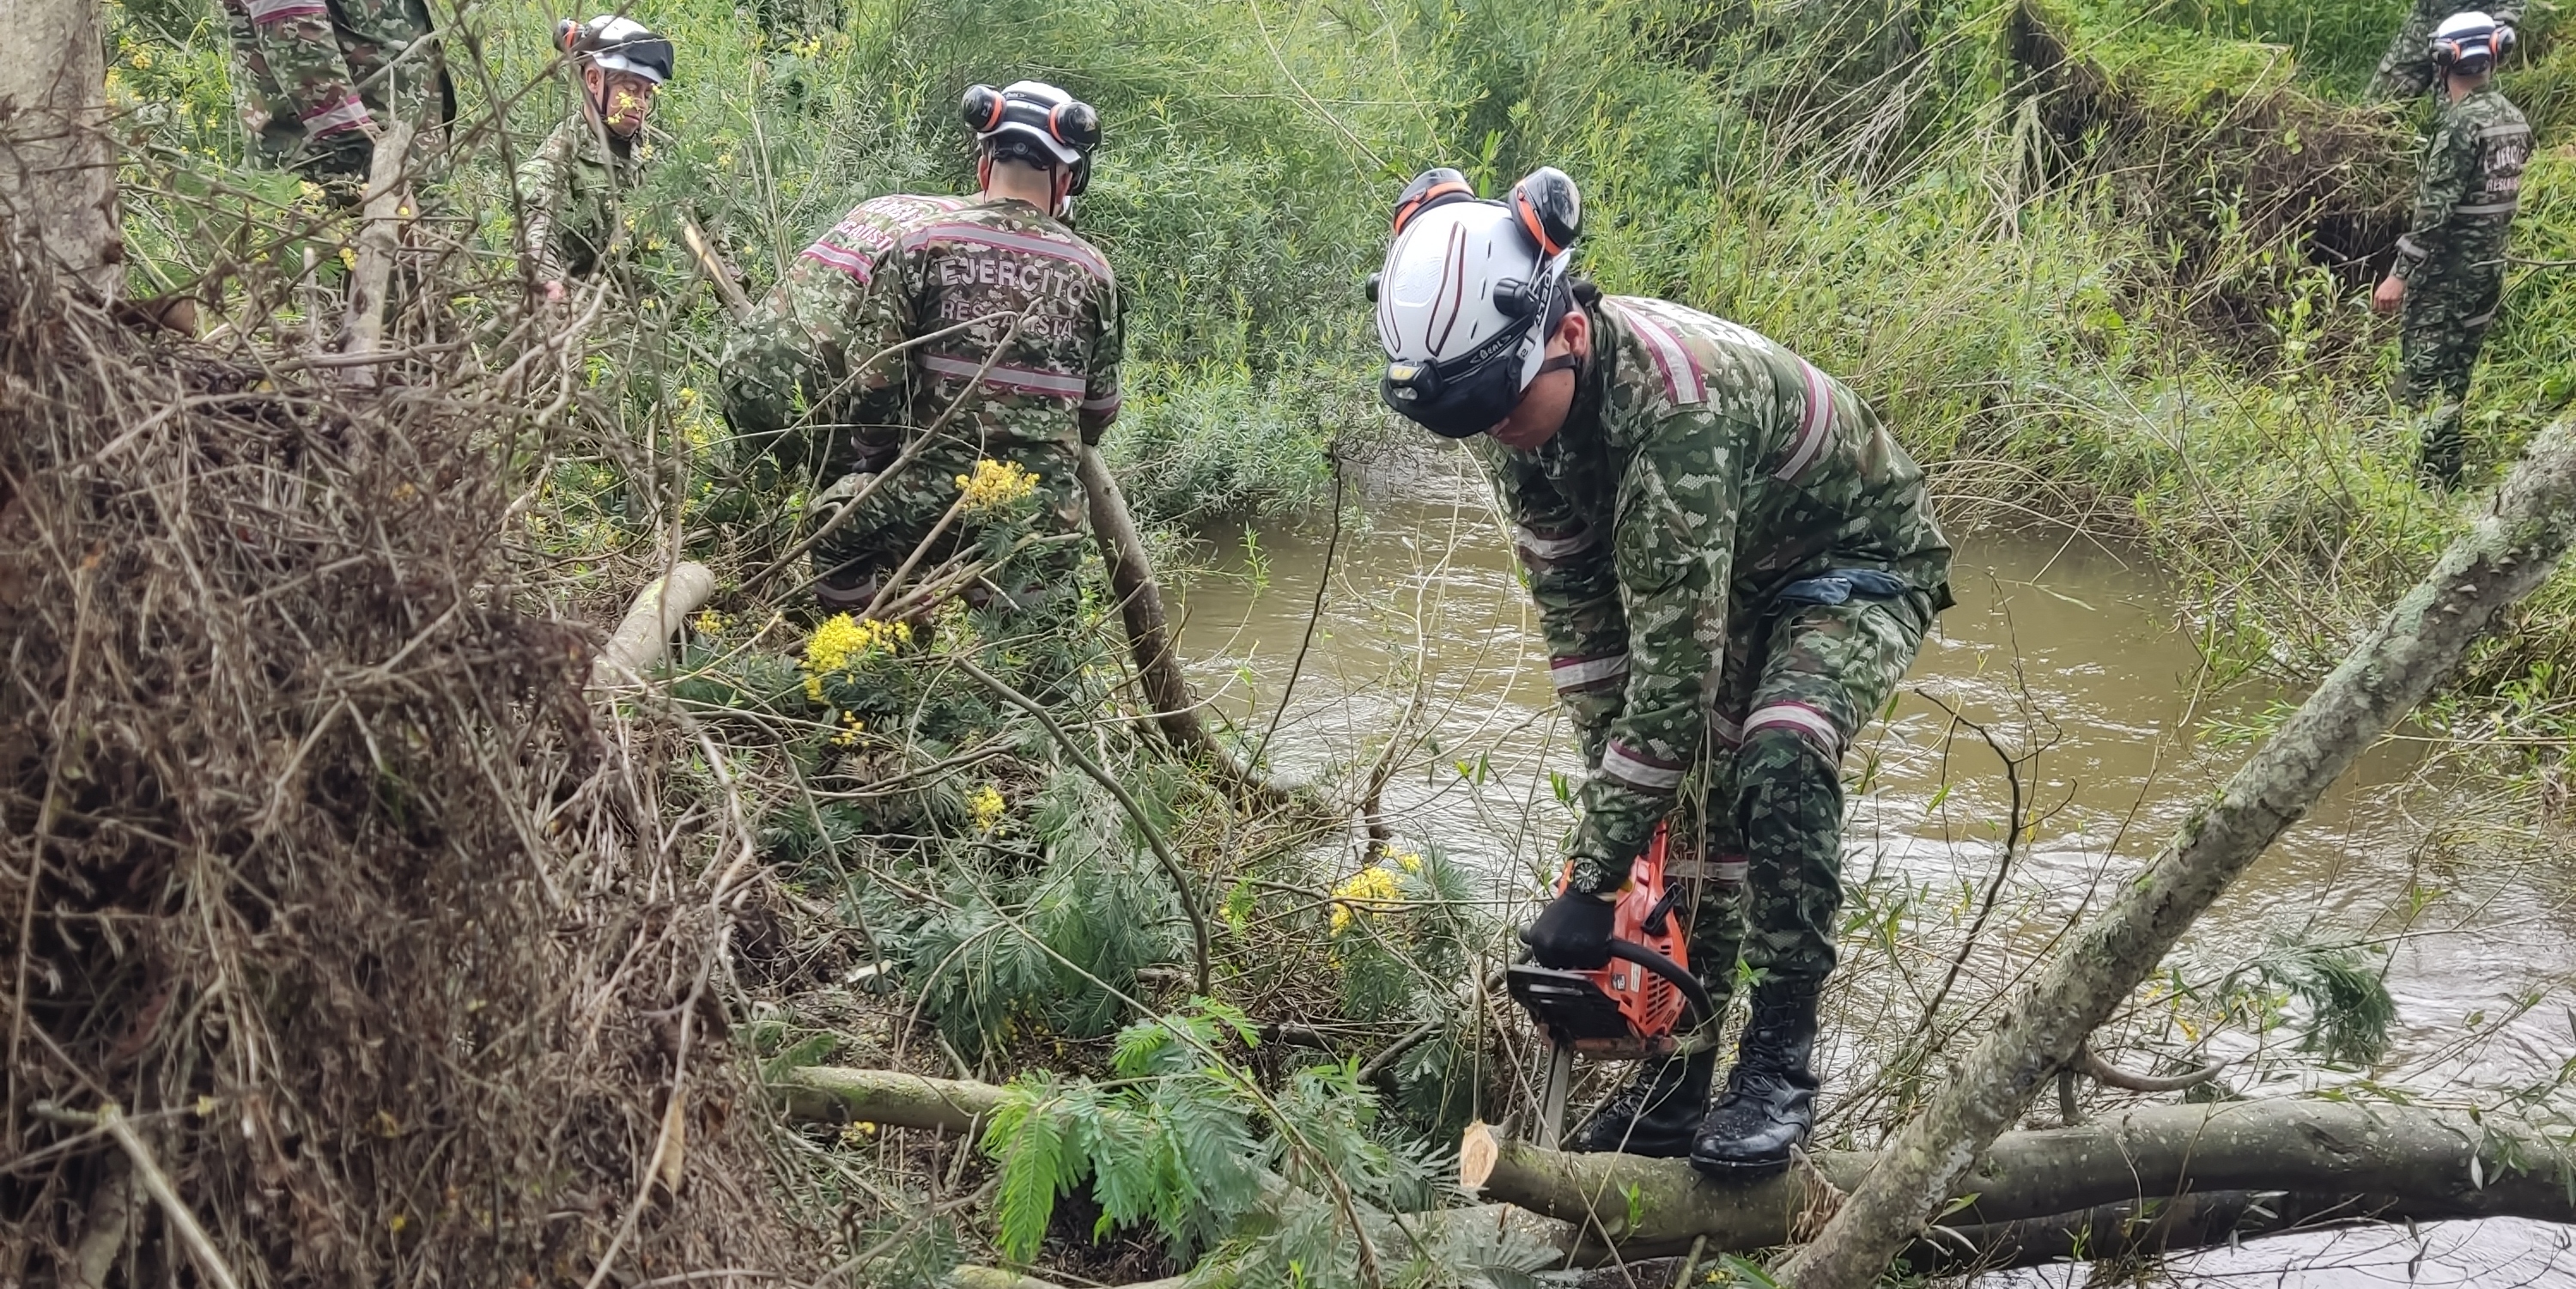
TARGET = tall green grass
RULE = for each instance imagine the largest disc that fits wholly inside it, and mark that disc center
(2074, 315)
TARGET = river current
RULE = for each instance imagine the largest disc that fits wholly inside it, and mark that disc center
(2077, 657)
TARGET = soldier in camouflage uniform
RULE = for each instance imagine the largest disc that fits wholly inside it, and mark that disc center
(315, 80)
(1012, 323)
(2449, 277)
(2406, 71)
(1734, 563)
(577, 179)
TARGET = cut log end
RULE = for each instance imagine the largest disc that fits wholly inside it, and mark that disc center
(1478, 1151)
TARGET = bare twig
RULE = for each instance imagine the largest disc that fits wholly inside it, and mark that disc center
(155, 1182)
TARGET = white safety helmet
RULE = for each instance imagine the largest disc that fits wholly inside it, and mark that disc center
(1469, 295)
(613, 43)
(2470, 43)
(1037, 123)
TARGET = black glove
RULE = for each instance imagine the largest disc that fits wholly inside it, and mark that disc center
(1572, 934)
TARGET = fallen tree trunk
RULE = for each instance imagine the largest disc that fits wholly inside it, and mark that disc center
(2509, 553)
(643, 636)
(2401, 1163)
(1149, 634)
(833, 1094)
(2164, 1177)
(829, 1094)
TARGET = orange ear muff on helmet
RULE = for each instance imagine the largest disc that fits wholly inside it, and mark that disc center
(983, 107)
(1549, 210)
(1437, 186)
(565, 32)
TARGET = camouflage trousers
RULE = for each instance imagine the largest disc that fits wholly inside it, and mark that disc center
(1766, 886)
(311, 76)
(1031, 591)
(2442, 325)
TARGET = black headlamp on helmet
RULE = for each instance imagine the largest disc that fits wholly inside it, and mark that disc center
(1463, 396)
(1470, 294)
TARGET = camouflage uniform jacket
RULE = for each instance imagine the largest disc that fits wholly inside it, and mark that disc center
(2466, 190)
(1702, 468)
(572, 187)
(311, 79)
(1029, 357)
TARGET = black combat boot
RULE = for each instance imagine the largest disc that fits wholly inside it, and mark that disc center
(1770, 1099)
(1655, 1114)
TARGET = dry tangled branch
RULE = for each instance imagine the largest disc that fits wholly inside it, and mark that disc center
(316, 869)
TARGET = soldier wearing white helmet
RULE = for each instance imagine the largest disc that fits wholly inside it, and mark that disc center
(1733, 563)
(2447, 283)
(975, 330)
(577, 179)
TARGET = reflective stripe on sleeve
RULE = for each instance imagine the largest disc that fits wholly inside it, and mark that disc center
(347, 114)
(1798, 718)
(1727, 729)
(270, 11)
(1573, 675)
(2406, 246)
(1028, 380)
(2505, 207)
(1672, 360)
(854, 263)
(1815, 428)
(1004, 239)
(1539, 546)
(1637, 771)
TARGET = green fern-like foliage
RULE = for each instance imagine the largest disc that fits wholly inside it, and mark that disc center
(1189, 1147)
(2344, 1011)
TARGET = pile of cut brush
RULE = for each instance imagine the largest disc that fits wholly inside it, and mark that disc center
(340, 948)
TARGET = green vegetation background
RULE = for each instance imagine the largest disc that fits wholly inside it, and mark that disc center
(2103, 290)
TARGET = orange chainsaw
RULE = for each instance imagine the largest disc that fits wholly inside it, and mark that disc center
(1632, 1008)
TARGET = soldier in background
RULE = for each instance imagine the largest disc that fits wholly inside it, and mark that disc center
(2406, 71)
(1734, 563)
(2449, 277)
(986, 324)
(315, 82)
(575, 182)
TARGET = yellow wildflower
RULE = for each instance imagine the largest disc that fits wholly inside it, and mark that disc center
(851, 728)
(844, 640)
(1374, 885)
(1407, 860)
(142, 60)
(711, 623)
(986, 805)
(996, 484)
(348, 259)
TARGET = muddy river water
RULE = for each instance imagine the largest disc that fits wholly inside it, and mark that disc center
(2058, 644)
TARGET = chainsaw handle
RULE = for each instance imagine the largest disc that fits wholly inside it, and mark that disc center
(1694, 994)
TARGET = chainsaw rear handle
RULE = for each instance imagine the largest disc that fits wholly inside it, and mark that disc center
(1694, 994)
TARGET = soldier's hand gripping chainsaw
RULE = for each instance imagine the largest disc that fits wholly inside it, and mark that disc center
(1642, 1004)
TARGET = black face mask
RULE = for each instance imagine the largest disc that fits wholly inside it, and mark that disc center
(1465, 396)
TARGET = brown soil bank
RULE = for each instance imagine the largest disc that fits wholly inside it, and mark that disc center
(2212, 145)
